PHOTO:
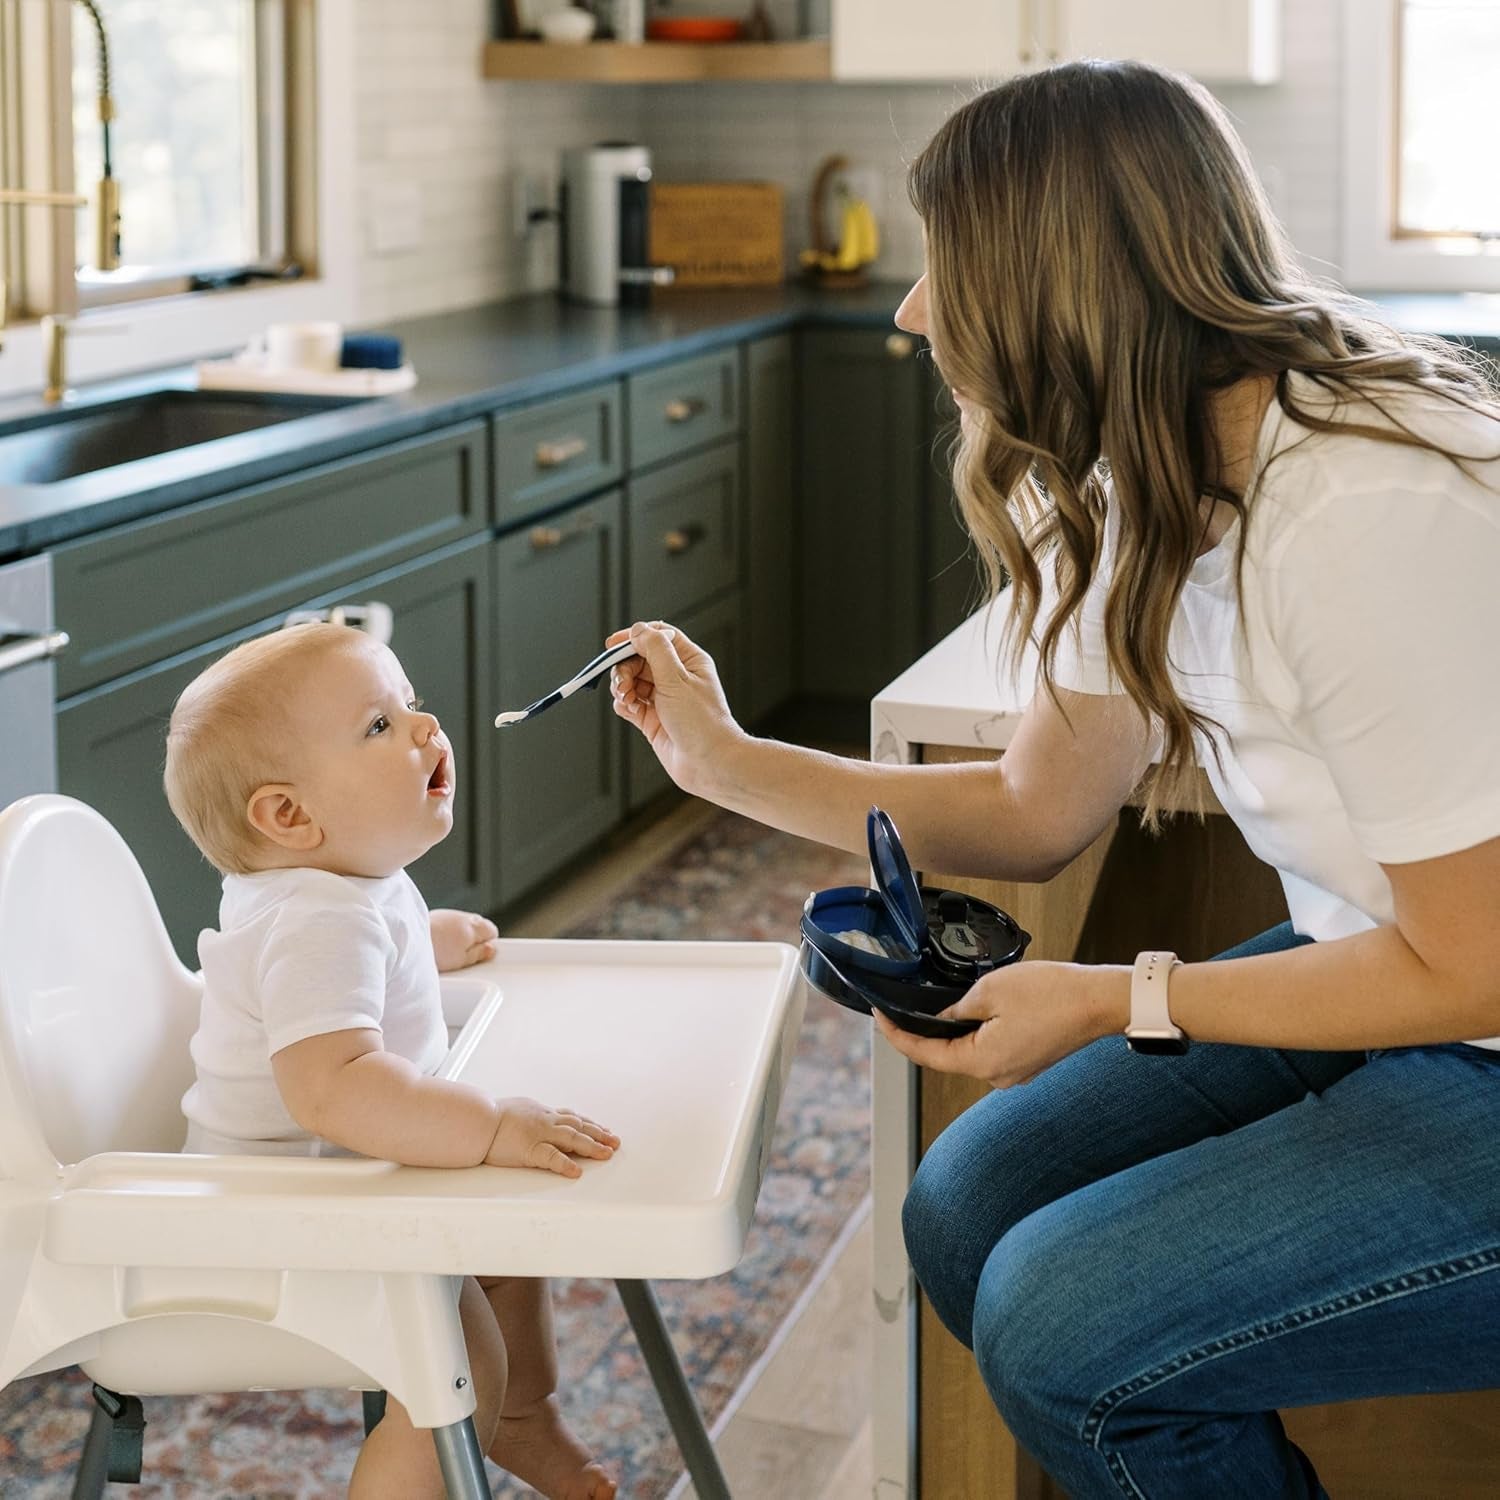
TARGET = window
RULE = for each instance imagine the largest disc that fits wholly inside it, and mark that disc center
(1422, 133)
(276, 188)
(1449, 58)
(199, 93)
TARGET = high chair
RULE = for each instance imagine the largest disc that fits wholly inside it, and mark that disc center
(161, 1273)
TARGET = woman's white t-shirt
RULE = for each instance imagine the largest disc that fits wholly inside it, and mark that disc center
(1361, 698)
(299, 953)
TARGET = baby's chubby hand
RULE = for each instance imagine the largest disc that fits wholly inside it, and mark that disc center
(532, 1135)
(461, 938)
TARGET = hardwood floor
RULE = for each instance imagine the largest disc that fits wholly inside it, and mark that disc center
(800, 1430)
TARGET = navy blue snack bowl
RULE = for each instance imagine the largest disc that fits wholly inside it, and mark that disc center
(933, 944)
(825, 956)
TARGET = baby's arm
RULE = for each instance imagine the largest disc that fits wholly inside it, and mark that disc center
(344, 1087)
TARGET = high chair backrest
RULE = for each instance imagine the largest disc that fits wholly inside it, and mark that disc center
(96, 1012)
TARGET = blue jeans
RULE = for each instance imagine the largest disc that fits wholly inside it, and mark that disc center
(1150, 1255)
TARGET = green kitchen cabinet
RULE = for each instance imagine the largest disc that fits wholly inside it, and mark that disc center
(558, 777)
(865, 461)
(683, 523)
(111, 740)
(136, 594)
(682, 406)
(443, 634)
(551, 452)
(719, 628)
(111, 745)
(770, 528)
(684, 553)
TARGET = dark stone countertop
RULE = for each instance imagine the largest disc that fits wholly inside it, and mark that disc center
(468, 363)
(484, 359)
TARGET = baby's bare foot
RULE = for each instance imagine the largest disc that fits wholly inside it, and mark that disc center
(541, 1450)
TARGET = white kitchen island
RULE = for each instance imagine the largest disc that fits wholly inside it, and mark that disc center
(952, 696)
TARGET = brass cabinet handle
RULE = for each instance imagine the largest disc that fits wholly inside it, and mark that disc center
(554, 454)
(899, 345)
(683, 409)
(1028, 24)
(544, 538)
(682, 539)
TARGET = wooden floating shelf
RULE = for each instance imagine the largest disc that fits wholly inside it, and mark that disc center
(660, 62)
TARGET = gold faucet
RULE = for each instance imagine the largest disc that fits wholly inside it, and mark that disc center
(107, 213)
(28, 199)
(55, 331)
(55, 343)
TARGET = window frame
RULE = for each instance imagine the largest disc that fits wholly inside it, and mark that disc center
(273, 125)
(1375, 256)
(173, 329)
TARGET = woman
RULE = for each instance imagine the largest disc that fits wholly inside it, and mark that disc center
(1241, 517)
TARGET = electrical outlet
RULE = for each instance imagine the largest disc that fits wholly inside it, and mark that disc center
(531, 191)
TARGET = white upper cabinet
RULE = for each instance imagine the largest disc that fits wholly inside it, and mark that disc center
(903, 39)
(1220, 41)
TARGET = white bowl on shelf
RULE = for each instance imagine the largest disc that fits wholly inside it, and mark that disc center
(570, 25)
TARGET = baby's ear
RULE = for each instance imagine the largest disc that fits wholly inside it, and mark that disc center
(275, 812)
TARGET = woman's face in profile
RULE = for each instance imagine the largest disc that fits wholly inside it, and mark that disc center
(912, 314)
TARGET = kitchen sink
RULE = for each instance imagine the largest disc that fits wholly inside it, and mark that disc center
(79, 440)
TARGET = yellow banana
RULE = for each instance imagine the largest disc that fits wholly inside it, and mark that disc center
(850, 240)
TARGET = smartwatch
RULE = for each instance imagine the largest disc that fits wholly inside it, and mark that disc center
(1150, 1029)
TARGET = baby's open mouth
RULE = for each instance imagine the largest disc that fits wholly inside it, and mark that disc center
(437, 783)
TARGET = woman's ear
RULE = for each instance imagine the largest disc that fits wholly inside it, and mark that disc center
(275, 812)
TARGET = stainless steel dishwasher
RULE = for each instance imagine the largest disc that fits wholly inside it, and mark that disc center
(28, 642)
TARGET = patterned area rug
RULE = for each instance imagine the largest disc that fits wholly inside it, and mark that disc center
(733, 880)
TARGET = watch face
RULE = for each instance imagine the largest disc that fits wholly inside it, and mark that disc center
(1158, 1046)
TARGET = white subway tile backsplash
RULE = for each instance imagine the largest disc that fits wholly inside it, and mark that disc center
(430, 124)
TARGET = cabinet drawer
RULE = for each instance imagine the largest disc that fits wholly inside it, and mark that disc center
(684, 533)
(556, 451)
(142, 592)
(558, 777)
(683, 406)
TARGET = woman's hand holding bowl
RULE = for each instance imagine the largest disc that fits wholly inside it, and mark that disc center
(1031, 1015)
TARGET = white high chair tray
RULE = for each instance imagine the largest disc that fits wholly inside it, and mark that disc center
(681, 1048)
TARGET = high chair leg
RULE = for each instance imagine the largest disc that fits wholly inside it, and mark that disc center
(112, 1451)
(457, 1450)
(461, 1461)
(673, 1391)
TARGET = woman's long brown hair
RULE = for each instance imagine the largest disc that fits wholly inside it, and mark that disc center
(1102, 260)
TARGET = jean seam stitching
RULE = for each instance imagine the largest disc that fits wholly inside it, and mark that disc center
(1389, 1289)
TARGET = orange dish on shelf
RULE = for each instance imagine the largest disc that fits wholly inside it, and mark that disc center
(693, 29)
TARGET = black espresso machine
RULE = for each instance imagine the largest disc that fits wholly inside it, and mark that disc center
(906, 950)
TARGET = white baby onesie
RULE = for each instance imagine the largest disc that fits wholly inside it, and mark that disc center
(299, 953)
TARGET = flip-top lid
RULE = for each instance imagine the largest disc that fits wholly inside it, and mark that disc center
(895, 881)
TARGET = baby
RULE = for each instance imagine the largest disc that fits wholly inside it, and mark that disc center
(305, 769)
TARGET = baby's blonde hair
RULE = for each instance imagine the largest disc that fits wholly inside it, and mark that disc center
(230, 733)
